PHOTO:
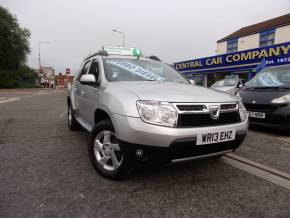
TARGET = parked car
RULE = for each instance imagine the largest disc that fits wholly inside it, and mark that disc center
(267, 98)
(141, 110)
(229, 85)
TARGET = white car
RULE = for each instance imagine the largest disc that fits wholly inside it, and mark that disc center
(142, 110)
(229, 85)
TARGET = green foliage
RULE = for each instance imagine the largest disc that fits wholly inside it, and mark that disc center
(14, 47)
(14, 41)
(23, 77)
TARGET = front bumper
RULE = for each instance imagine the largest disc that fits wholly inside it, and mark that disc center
(278, 118)
(180, 149)
(133, 130)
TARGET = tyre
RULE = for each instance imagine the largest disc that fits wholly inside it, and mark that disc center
(71, 121)
(105, 153)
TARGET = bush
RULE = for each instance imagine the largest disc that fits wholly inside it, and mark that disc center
(23, 77)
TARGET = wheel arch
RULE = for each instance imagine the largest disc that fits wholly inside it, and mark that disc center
(100, 115)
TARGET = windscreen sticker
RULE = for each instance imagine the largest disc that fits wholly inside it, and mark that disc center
(269, 80)
(140, 71)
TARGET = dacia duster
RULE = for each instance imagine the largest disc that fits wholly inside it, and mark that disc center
(142, 110)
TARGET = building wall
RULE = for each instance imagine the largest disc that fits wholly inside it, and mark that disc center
(48, 71)
(63, 80)
(282, 34)
(248, 42)
(221, 48)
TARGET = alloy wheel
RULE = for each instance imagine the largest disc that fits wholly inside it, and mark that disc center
(107, 150)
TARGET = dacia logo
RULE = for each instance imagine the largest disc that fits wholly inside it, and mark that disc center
(214, 111)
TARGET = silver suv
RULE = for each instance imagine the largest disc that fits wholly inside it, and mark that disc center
(142, 110)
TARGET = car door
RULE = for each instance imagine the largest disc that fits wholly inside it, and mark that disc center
(79, 90)
(91, 94)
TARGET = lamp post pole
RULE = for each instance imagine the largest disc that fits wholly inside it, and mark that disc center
(123, 35)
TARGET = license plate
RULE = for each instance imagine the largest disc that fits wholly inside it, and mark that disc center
(256, 114)
(216, 136)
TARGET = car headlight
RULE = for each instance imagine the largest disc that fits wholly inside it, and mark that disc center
(158, 113)
(281, 100)
(230, 91)
(242, 111)
(233, 91)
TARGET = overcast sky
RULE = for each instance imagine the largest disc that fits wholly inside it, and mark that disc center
(174, 30)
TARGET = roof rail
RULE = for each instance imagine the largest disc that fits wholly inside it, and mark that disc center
(100, 52)
(155, 58)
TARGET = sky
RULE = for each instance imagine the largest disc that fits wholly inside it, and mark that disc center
(174, 30)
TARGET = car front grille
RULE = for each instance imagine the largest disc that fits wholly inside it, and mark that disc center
(228, 106)
(197, 107)
(201, 120)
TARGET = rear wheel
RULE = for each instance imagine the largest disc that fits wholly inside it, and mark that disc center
(106, 154)
(71, 121)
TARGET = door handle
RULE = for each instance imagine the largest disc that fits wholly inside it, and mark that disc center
(82, 93)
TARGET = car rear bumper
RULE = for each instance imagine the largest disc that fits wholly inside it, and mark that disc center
(133, 130)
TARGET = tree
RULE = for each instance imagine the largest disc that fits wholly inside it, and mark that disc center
(14, 41)
(14, 47)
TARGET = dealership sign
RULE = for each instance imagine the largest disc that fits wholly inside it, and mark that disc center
(274, 55)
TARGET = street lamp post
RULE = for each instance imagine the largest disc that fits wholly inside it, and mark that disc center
(123, 34)
(39, 53)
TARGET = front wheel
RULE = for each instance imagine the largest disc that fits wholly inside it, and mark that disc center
(105, 153)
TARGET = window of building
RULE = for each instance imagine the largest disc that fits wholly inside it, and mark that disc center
(267, 37)
(232, 45)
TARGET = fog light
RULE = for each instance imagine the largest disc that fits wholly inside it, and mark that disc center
(140, 155)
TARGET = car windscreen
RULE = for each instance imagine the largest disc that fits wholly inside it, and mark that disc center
(225, 82)
(122, 69)
(271, 78)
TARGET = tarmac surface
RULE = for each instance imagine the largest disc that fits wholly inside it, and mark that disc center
(45, 172)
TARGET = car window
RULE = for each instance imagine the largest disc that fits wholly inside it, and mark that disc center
(275, 77)
(94, 69)
(121, 69)
(84, 70)
(285, 77)
(230, 82)
(225, 82)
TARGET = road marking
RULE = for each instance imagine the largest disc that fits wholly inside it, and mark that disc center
(269, 174)
(5, 100)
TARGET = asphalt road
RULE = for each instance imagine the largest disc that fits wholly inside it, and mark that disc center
(45, 172)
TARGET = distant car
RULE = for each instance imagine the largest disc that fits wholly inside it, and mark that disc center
(267, 98)
(229, 85)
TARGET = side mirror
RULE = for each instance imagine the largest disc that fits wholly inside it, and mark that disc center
(88, 79)
(240, 86)
(192, 81)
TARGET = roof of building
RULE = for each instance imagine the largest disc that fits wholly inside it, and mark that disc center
(258, 27)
